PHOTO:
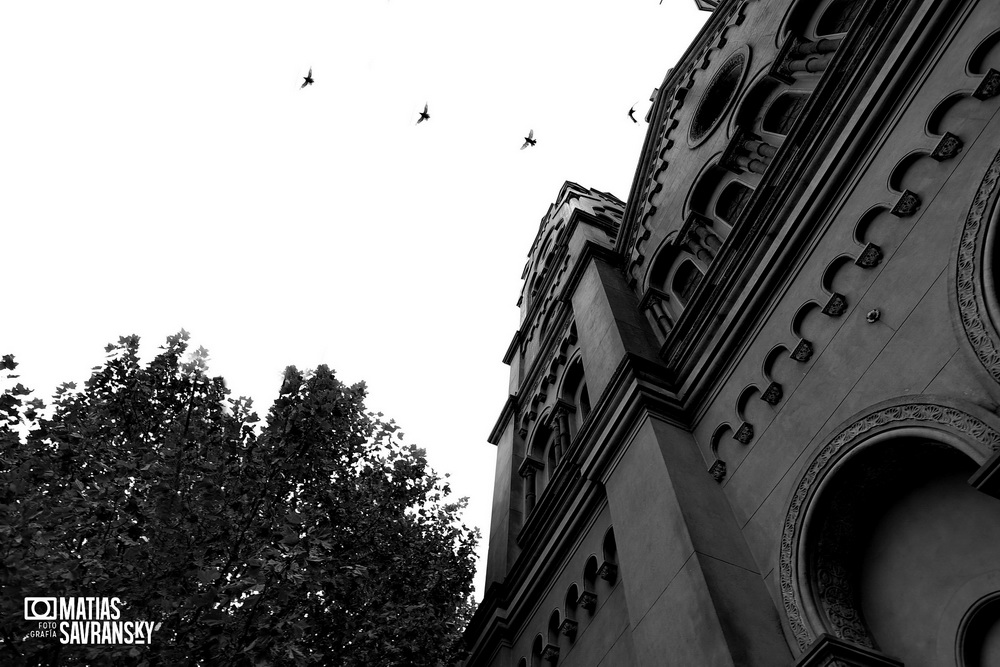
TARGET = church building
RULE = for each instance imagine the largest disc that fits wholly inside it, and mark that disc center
(753, 413)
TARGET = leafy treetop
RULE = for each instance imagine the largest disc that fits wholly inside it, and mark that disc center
(314, 538)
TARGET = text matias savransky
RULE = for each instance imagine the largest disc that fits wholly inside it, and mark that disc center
(85, 620)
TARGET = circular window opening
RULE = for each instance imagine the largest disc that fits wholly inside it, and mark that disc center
(720, 93)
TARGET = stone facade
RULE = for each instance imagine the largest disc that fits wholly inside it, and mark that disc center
(753, 409)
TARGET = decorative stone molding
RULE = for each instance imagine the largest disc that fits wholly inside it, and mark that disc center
(671, 100)
(836, 306)
(587, 600)
(569, 628)
(718, 470)
(772, 394)
(870, 257)
(968, 272)
(550, 652)
(907, 204)
(828, 651)
(744, 434)
(989, 86)
(948, 147)
(803, 352)
(835, 601)
(608, 571)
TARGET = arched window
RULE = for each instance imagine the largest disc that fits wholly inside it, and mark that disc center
(551, 460)
(838, 17)
(543, 450)
(731, 201)
(537, 647)
(588, 598)
(574, 392)
(685, 281)
(569, 624)
(782, 113)
(609, 568)
(551, 650)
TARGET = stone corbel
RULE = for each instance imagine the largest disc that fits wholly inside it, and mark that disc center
(772, 394)
(870, 257)
(587, 600)
(608, 571)
(718, 470)
(989, 86)
(803, 351)
(569, 628)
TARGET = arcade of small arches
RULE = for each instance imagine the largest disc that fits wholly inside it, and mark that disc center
(556, 429)
(581, 604)
(766, 113)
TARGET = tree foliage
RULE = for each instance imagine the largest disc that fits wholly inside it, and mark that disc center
(316, 537)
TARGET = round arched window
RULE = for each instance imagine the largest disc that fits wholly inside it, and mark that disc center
(718, 96)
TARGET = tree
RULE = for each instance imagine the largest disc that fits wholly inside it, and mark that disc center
(317, 538)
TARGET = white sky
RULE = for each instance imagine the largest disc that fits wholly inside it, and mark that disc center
(160, 168)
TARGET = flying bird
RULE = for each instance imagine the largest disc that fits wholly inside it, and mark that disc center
(423, 115)
(529, 140)
(308, 79)
(631, 114)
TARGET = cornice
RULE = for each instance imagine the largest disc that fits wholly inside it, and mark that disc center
(512, 348)
(506, 414)
(590, 251)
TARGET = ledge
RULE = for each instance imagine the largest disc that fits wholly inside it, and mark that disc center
(987, 478)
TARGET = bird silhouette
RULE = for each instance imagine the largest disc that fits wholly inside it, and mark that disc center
(308, 79)
(529, 140)
(423, 115)
(631, 114)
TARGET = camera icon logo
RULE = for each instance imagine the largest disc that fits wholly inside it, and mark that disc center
(40, 609)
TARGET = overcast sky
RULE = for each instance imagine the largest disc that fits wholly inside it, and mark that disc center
(162, 168)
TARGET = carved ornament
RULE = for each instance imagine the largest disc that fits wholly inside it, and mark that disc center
(830, 580)
(907, 204)
(803, 352)
(870, 257)
(979, 331)
(587, 600)
(836, 306)
(989, 86)
(947, 148)
(718, 470)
